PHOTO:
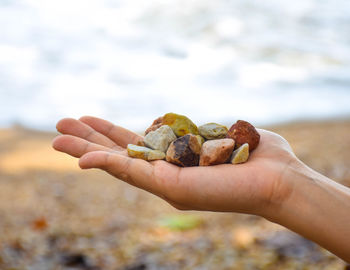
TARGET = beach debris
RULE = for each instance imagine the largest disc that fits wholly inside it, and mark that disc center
(75, 260)
(243, 132)
(145, 153)
(138, 266)
(40, 224)
(212, 131)
(288, 244)
(242, 238)
(241, 154)
(160, 138)
(180, 222)
(184, 151)
(215, 152)
(177, 139)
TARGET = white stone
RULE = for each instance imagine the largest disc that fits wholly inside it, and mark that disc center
(160, 138)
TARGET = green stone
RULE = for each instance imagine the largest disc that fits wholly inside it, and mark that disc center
(180, 124)
(212, 131)
(144, 153)
(241, 154)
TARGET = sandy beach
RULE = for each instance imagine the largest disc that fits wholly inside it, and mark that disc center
(55, 216)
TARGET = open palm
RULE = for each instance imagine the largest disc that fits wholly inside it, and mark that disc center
(249, 188)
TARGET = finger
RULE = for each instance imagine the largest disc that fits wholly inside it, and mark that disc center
(119, 135)
(77, 128)
(180, 206)
(76, 146)
(136, 172)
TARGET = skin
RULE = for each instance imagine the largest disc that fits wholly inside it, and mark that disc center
(274, 184)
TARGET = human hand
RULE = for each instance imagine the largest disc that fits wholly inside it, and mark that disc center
(273, 183)
(258, 186)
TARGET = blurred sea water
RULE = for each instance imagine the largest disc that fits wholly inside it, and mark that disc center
(130, 61)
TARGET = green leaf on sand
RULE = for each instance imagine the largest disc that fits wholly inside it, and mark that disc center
(180, 222)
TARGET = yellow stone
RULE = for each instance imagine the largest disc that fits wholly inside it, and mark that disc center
(241, 154)
(180, 124)
(144, 153)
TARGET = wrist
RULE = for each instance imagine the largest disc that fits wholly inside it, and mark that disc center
(315, 207)
(284, 189)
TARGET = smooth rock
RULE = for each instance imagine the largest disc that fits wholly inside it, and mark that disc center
(184, 151)
(243, 132)
(145, 153)
(160, 138)
(212, 131)
(241, 154)
(180, 124)
(155, 125)
(215, 152)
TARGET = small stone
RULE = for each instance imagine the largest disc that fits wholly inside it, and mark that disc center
(213, 131)
(200, 139)
(184, 151)
(180, 124)
(155, 155)
(243, 132)
(140, 142)
(160, 138)
(155, 125)
(241, 154)
(215, 152)
(145, 153)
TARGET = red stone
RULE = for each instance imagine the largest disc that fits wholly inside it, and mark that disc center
(243, 132)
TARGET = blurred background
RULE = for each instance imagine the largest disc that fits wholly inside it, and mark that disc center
(130, 61)
(282, 65)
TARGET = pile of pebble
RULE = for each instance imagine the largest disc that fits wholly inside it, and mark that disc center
(178, 140)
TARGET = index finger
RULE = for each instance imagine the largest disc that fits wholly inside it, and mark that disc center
(136, 172)
(119, 135)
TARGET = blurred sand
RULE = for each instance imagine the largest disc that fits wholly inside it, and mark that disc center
(55, 216)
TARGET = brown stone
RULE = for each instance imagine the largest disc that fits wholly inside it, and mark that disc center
(155, 125)
(243, 132)
(184, 151)
(215, 152)
(140, 143)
